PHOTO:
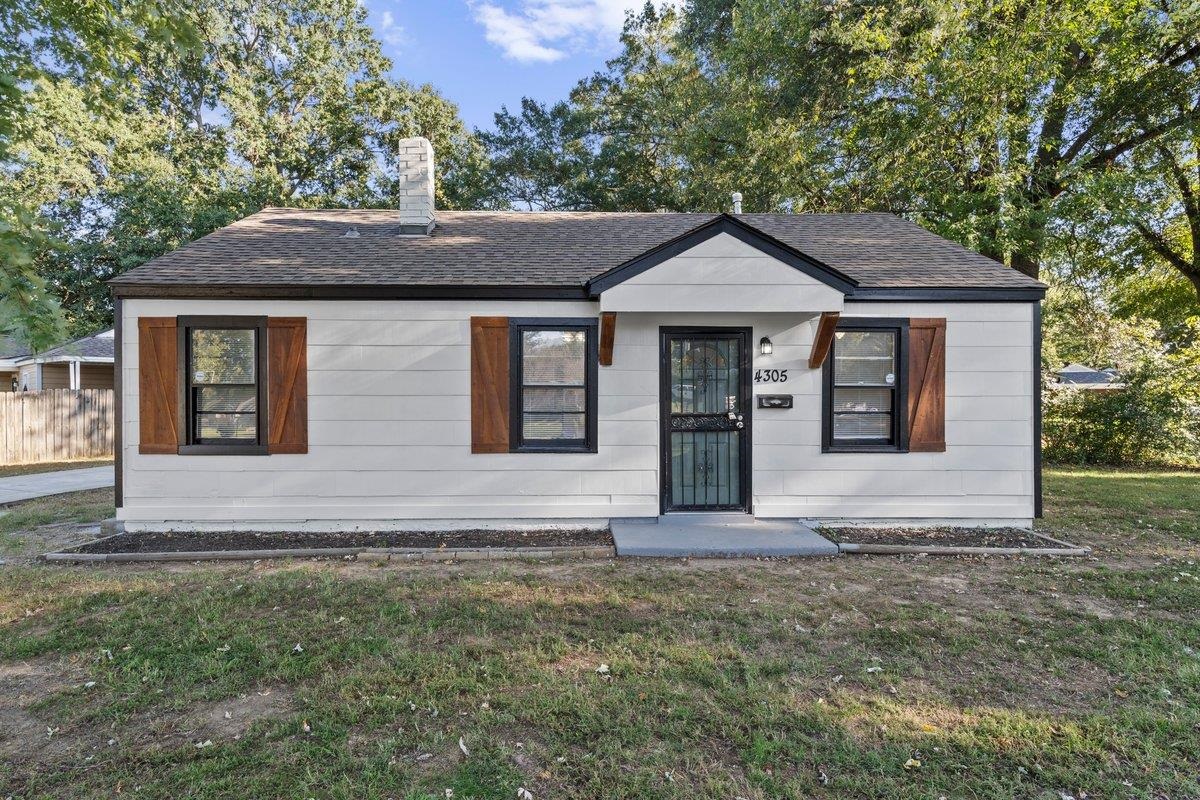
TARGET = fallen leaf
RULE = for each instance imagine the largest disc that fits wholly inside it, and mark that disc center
(463, 746)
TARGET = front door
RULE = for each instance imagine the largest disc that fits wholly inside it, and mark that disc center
(705, 419)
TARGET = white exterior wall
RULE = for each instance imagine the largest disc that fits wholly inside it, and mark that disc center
(720, 274)
(389, 426)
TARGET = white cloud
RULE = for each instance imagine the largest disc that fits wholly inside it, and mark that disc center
(549, 30)
(391, 32)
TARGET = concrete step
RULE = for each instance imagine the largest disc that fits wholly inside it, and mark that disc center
(717, 536)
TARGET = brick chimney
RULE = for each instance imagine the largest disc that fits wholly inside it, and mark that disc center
(415, 164)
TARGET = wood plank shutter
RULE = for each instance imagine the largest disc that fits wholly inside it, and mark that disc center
(489, 385)
(158, 386)
(927, 385)
(287, 385)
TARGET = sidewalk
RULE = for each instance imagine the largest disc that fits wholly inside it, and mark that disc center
(27, 487)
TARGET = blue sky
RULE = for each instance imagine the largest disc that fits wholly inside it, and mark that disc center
(482, 54)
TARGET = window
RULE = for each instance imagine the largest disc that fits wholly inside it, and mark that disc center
(225, 390)
(864, 386)
(553, 396)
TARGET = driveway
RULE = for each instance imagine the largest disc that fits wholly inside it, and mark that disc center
(27, 487)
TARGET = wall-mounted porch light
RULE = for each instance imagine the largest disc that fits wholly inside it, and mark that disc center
(765, 347)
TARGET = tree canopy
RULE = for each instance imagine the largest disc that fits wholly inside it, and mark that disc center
(195, 117)
(1060, 137)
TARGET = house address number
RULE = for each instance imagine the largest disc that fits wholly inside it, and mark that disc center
(770, 375)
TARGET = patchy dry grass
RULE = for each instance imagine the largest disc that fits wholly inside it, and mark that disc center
(1003, 677)
(33, 527)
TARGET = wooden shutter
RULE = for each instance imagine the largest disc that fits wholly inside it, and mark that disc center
(287, 385)
(489, 385)
(158, 386)
(927, 385)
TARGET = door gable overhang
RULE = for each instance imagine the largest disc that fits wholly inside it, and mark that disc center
(723, 224)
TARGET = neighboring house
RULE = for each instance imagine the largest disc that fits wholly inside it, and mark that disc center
(306, 369)
(1077, 376)
(85, 363)
(10, 350)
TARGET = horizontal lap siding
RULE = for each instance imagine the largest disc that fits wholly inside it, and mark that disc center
(389, 429)
(986, 471)
(389, 424)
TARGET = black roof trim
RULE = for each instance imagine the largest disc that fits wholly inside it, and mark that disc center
(739, 230)
(492, 292)
(981, 294)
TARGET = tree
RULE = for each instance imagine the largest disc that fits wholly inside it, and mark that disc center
(978, 119)
(90, 43)
(274, 103)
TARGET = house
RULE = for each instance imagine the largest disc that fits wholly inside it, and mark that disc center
(316, 369)
(1078, 376)
(10, 351)
(85, 363)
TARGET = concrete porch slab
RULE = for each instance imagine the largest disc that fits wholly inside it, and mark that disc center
(717, 536)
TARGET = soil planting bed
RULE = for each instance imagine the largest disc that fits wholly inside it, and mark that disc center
(939, 537)
(204, 542)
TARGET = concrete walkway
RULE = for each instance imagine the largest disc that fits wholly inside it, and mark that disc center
(717, 535)
(42, 484)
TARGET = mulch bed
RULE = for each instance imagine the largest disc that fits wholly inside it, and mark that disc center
(938, 537)
(198, 542)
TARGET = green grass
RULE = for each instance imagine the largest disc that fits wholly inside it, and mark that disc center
(51, 466)
(1028, 678)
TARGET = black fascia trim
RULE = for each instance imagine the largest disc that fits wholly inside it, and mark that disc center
(516, 369)
(899, 412)
(349, 292)
(1037, 411)
(981, 294)
(739, 230)
(118, 405)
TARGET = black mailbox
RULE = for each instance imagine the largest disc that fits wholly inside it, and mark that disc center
(774, 401)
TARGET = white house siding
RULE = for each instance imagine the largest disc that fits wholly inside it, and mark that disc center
(720, 274)
(389, 426)
(986, 472)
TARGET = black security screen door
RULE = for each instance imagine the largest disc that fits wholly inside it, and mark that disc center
(706, 419)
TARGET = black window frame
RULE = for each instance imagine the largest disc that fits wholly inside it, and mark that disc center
(229, 447)
(517, 441)
(898, 441)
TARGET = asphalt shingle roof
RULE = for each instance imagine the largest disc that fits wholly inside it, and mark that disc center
(308, 247)
(98, 345)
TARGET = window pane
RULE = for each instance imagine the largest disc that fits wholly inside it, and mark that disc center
(862, 399)
(865, 357)
(553, 426)
(222, 356)
(553, 358)
(555, 400)
(226, 398)
(862, 426)
(225, 426)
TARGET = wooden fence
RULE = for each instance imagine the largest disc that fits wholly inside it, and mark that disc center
(56, 425)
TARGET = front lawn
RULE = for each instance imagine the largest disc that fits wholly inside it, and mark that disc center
(851, 677)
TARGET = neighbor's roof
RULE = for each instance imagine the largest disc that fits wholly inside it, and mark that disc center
(309, 247)
(12, 348)
(98, 346)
